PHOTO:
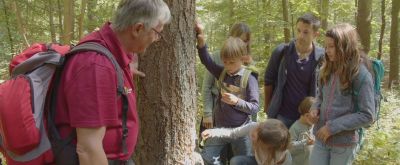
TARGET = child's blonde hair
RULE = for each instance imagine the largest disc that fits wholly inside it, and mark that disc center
(272, 137)
(347, 48)
(305, 105)
(233, 47)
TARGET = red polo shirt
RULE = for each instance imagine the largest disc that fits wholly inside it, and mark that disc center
(88, 95)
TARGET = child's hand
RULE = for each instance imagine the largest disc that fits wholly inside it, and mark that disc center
(199, 34)
(314, 114)
(229, 98)
(205, 134)
(134, 66)
(208, 122)
(323, 133)
(310, 140)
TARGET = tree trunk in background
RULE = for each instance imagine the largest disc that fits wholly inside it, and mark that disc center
(60, 20)
(383, 26)
(364, 23)
(394, 44)
(8, 28)
(51, 20)
(267, 37)
(81, 18)
(231, 14)
(285, 12)
(324, 14)
(68, 34)
(91, 23)
(20, 22)
(167, 99)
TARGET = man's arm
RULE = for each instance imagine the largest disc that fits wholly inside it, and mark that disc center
(268, 94)
(90, 146)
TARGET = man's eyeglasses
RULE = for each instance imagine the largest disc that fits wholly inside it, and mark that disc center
(159, 35)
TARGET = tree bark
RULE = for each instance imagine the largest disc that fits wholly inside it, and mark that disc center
(285, 12)
(383, 26)
(394, 44)
(364, 23)
(324, 14)
(8, 27)
(20, 22)
(51, 20)
(91, 24)
(68, 22)
(167, 99)
(60, 20)
(81, 18)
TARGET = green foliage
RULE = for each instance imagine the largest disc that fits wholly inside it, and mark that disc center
(382, 140)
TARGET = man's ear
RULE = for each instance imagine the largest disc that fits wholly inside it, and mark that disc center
(137, 29)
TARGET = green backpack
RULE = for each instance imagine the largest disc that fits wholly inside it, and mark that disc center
(377, 72)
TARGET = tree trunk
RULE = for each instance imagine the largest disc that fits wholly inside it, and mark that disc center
(364, 23)
(383, 26)
(285, 11)
(68, 22)
(167, 99)
(60, 20)
(8, 27)
(91, 23)
(81, 18)
(266, 34)
(231, 13)
(20, 22)
(51, 20)
(394, 44)
(324, 14)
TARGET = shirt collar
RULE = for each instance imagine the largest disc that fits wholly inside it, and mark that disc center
(239, 73)
(113, 44)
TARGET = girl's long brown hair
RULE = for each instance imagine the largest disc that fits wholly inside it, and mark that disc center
(347, 47)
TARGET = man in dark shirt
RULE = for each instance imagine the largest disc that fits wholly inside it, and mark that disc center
(291, 72)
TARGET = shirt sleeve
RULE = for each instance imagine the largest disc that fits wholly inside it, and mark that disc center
(251, 104)
(206, 60)
(206, 89)
(298, 144)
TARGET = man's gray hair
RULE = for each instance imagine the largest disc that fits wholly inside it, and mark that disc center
(149, 12)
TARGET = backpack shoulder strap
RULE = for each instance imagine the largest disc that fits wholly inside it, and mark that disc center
(245, 79)
(283, 48)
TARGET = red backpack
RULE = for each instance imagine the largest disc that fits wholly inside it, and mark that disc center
(27, 105)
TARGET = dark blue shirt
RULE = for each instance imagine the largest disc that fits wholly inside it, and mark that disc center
(297, 87)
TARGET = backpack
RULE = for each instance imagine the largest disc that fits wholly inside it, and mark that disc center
(377, 73)
(28, 134)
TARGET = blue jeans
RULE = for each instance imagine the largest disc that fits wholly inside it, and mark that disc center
(327, 155)
(286, 121)
(213, 148)
(243, 160)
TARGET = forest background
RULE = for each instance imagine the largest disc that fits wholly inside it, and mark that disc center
(23, 22)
